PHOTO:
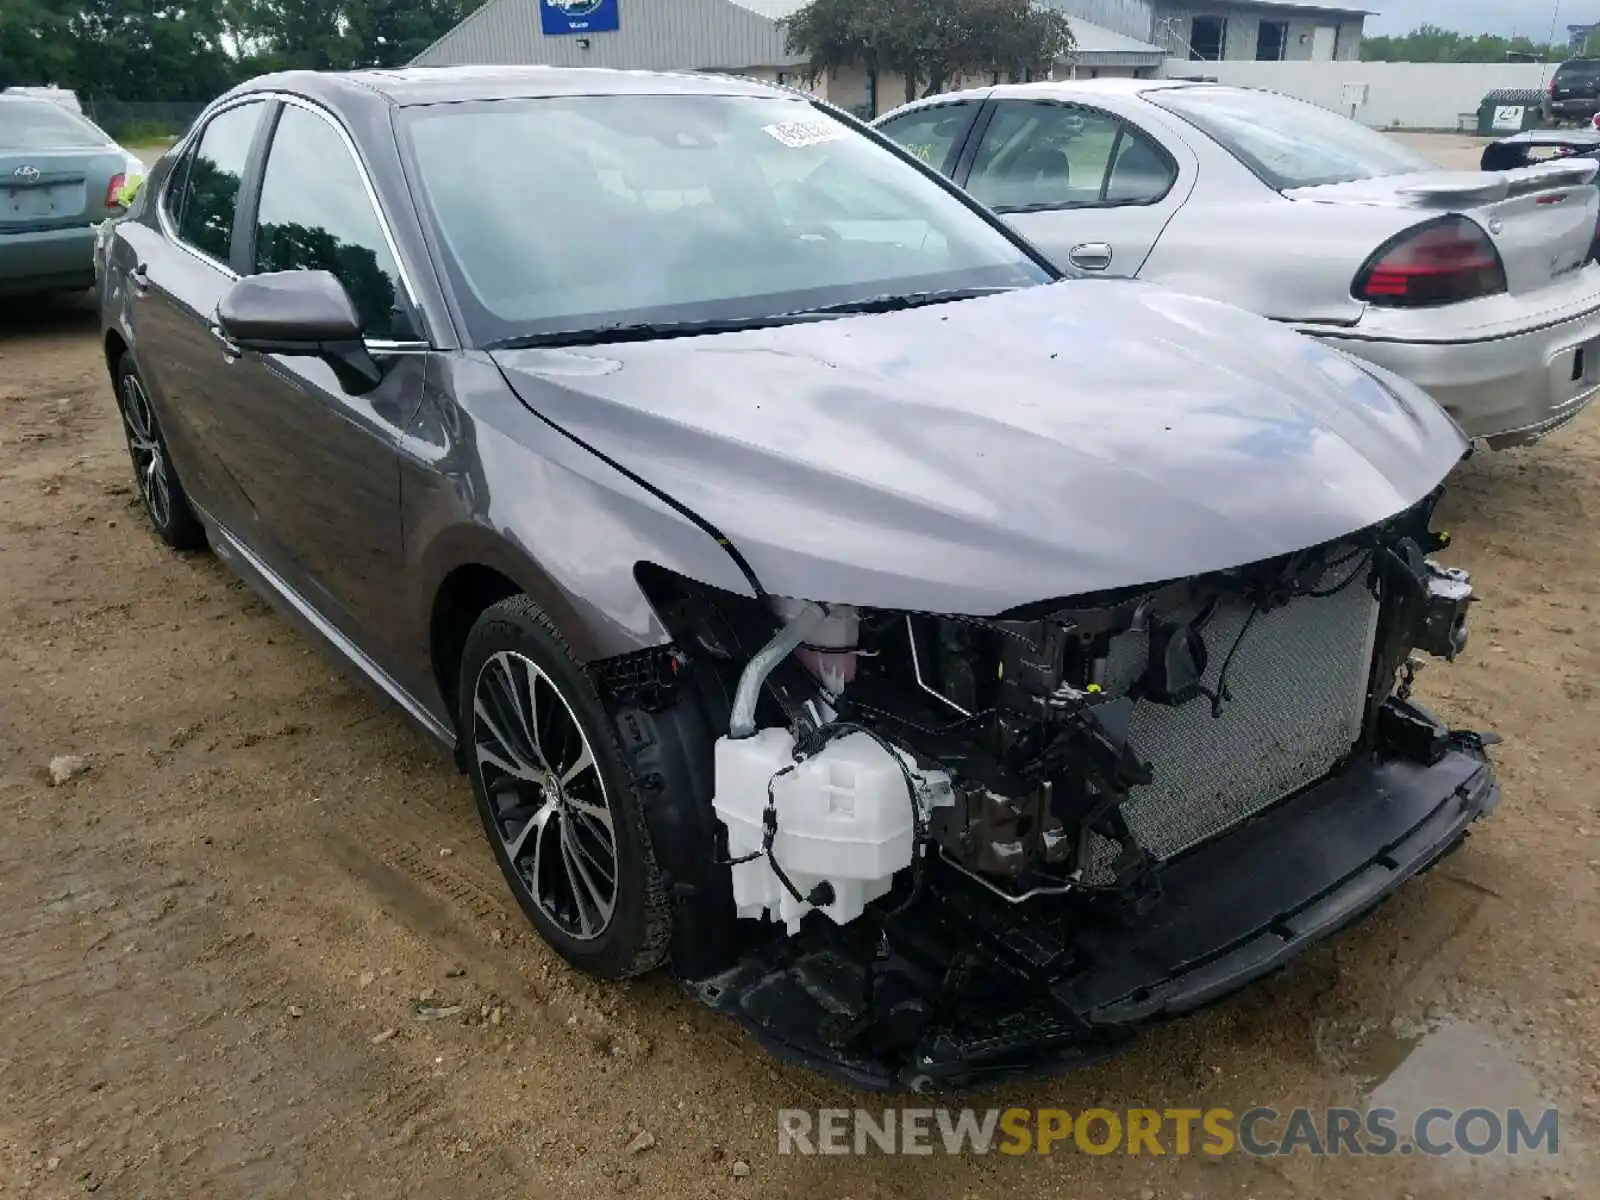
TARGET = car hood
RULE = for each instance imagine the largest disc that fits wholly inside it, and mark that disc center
(972, 457)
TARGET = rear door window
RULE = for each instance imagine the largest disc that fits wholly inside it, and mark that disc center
(1141, 172)
(211, 179)
(932, 134)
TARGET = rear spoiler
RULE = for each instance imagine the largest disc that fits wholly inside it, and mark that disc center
(1522, 149)
(1448, 189)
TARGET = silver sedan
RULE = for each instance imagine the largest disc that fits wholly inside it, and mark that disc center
(1478, 287)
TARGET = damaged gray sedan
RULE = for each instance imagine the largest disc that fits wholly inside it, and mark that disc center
(941, 667)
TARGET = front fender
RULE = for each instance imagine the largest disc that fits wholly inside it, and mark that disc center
(471, 544)
(485, 482)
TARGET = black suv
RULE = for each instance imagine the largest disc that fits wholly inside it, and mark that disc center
(1575, 91)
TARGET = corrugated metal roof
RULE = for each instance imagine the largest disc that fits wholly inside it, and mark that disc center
(1311, 5)
(1091, 38)
(691, 35)
(653, 35)
(773, 10)
(1096, 39)
(777, 10)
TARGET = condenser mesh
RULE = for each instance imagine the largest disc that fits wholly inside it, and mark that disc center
(1298, 684)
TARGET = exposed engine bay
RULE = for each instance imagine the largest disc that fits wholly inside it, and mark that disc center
(924, 824)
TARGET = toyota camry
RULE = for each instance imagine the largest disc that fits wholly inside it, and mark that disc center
(944, 668)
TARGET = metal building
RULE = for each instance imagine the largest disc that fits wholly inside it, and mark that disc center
(744, 37)
(1256, 30)
(652, 35)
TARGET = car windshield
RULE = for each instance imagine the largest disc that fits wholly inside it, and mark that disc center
(1289, 143)
(43, 125)
(582, 213)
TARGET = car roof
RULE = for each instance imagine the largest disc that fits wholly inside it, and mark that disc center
(1062, 89)
(406, 86)
(1090, 87)
(30, 99)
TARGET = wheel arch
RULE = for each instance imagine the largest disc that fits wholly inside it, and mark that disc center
(668, 750)
(115, 346)
(460, 599)
(473, 568)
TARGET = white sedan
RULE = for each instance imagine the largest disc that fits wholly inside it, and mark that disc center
(1479, 287)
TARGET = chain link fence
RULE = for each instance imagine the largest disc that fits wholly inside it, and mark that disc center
(145, 120)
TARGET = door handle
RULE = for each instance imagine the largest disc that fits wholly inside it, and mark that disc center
(230, 348)
(139, 277)
(1090, 256)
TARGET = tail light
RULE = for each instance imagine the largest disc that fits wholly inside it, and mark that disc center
(1443, 262)
(114, 191)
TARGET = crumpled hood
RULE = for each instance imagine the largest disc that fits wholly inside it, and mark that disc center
(971, 457)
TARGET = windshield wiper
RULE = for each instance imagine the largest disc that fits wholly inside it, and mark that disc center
(652, 331)
(895, 302)
(643, 331)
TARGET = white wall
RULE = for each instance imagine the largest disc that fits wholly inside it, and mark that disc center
(1399, 95)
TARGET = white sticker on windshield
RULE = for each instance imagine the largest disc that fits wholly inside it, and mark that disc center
(796, 134)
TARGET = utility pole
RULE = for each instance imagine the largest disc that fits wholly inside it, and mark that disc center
(1555, 19)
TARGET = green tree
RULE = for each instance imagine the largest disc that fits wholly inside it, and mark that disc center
(1026, 39)
(344, 34)
(35, 44)
(297, 34)
(1433, 44)
(148, 50)
(929, 43)
(192, 50)
(393, 32)
(136, 50)
(847, 33)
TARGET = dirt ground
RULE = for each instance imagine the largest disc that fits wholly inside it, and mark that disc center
(213, 942)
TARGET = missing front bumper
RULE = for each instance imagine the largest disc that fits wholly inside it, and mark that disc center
(1231, 911)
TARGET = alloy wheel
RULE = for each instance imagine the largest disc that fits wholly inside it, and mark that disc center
(550, 805)
(149, 455)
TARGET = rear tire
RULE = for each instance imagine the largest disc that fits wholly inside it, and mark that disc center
(559, 805)
(165, 501)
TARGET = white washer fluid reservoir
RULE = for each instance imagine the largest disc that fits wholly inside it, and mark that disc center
(844, 816)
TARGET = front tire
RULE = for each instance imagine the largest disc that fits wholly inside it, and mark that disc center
(559, 805)
(165, 501)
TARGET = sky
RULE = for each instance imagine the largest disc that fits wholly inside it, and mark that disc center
(1530, 18)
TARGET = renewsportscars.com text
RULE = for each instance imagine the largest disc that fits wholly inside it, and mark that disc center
(1260, 1132)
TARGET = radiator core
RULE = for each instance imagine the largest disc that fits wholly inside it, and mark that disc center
(1298, 683)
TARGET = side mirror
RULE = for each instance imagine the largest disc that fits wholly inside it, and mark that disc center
(300, 313)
